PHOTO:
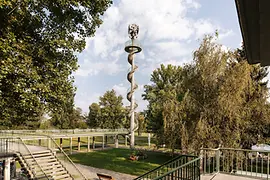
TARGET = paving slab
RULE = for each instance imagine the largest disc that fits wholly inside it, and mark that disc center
(224, 177)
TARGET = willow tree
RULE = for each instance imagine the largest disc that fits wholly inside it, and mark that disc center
(217, 99)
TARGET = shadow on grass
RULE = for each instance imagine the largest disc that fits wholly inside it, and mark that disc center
(117, 160)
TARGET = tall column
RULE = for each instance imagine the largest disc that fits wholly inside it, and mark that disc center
(132, 47)
(7, 169)
(132, 107)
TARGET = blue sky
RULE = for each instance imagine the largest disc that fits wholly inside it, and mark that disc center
(169, 32)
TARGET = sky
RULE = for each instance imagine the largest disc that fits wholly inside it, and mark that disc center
(169, 32)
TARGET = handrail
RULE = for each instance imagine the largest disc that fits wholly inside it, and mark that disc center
(33, 157)
(20, 141)
(163, 165)
(174, 159)
(28, 166)
(182, 166)
(243, 162)
(63, 152)
(234, 149)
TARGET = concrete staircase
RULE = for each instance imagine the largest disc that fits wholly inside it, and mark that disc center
(43, 165)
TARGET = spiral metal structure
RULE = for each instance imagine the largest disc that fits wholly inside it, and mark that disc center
(132, 48)
(130, 78)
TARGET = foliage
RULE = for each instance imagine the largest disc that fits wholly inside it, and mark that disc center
(218, 99)
(69, 119)
(165, 81)
(141, 123)
(109, 113)
(94, 114)
(38, 41)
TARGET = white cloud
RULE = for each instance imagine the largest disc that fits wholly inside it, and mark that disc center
(93, 68)
(84, 100)
(203, 27)
(167, 35)
(120, 89)
(223, 34)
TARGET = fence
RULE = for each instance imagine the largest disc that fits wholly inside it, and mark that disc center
(188, 171)
(22, 146)
(180, 166)
(61, 131)
(19, 148)
(241, 162)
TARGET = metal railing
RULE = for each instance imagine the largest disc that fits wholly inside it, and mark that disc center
(168, 168)
(18, 147)
(188, 171)
(59, 131)
(240, 162)
(67, 162)
(41, 142)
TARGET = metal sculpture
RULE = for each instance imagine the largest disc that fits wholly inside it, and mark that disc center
(132, 47)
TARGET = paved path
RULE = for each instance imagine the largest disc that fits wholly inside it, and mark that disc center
(91, 173)
(224, 177)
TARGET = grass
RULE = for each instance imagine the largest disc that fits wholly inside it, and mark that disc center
(117, 160)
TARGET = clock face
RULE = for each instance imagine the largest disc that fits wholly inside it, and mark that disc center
(133, 31)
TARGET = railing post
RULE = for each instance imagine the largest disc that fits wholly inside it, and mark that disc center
(70, 145)
(7, 169)
(103, 142)
(49, 143)
(116, 141)
(79, 143)
(201, 161)
(126, 140)
(218, 159)
(7, 147)
(88, 144)
(149, 140)
(93, 142)
(61, 143)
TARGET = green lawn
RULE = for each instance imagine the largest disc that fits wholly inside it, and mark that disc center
(117, 160)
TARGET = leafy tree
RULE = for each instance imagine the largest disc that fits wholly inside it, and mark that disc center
(69, 119)
(218, 99)
(165, 80)
(112, 112)
(94, 115)
(141, 123)
(38, 41)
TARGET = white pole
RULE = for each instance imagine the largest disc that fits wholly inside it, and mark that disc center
(7, 169)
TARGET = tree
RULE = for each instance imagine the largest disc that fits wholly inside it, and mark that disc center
(218, 99)
(94, 115)
(38, 40)
(112, 112)
(165, 80)
(141, 123)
